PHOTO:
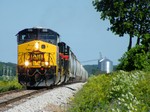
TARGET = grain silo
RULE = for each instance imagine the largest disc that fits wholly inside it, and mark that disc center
(105, 65)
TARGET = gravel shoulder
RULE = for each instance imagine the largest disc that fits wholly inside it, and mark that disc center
(55, 100)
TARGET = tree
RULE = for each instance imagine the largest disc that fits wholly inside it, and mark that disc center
(130, 17)
(135, 59)
(146, 42)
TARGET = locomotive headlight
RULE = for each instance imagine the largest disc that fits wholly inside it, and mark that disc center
(26, 63)
(46, 63)
(37, 45)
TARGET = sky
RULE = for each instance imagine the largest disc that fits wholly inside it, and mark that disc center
(77, 22)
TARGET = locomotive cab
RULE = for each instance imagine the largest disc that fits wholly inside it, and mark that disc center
(31, 34)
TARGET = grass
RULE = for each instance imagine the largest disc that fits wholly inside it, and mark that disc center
(11, 84)
(117, 92)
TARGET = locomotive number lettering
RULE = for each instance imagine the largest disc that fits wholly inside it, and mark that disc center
(37, 57)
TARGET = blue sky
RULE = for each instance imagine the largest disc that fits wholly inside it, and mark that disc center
(76, 21)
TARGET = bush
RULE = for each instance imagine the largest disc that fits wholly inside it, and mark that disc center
(142, 92)
(135, 59)
(122, 97)
(93, 95)
(118, 92)
(7, 85)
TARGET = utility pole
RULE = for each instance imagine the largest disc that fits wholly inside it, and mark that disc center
(7, 71)
(4, 70)
(10, 71)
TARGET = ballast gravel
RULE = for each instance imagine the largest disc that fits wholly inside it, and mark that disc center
(54, 100)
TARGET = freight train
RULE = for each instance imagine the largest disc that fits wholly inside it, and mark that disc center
(43, 60)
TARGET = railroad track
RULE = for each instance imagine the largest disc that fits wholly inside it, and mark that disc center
(15, 96)
(9, 97)
(10, 92)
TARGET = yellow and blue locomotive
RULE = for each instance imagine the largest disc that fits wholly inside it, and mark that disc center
(44, 61)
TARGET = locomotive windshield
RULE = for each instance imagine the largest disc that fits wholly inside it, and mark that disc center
(37, 33)
(26, 37)
(50, 38)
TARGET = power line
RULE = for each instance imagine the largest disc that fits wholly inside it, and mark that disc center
(89, 60)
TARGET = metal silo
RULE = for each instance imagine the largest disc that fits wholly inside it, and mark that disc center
(105, 65)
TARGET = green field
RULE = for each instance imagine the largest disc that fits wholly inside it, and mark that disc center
(116, 92)
(9, 84)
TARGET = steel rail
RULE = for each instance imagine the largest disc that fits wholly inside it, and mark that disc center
(9, 92)
(5, 103)
(13, 100)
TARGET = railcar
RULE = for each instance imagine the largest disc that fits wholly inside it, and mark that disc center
(43, 60)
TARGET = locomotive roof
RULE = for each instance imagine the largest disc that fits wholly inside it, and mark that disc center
(35, 29)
